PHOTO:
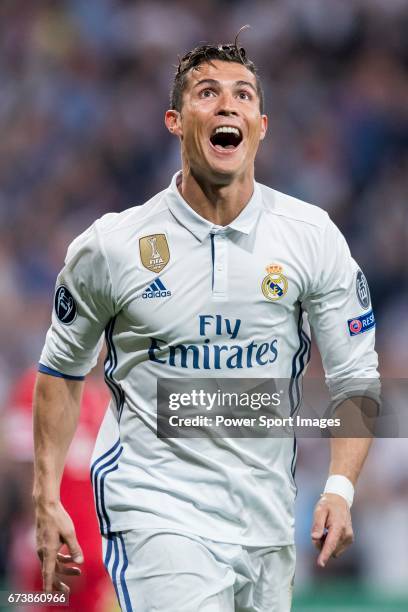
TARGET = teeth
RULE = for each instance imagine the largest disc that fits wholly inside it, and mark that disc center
(227, 130)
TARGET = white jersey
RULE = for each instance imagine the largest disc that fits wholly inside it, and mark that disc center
(177, 296)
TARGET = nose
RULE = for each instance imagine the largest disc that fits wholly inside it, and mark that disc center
(227, 105)
(224, 112)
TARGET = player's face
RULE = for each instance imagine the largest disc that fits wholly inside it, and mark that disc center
(220, 124)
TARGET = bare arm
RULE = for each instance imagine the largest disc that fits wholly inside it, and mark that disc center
(56, 412)
(332, 512)
(348, 456)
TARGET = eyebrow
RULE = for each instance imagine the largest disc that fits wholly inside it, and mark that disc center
(217, 83)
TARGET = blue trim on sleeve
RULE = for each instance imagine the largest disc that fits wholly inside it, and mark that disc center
(46, 370)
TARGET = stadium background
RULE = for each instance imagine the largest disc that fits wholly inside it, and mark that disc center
(84, 86)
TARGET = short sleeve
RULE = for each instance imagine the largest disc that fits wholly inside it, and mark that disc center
(341, 316)
(83, 306)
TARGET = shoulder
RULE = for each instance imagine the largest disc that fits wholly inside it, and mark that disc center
(112, 230)
(132, 218)
(293, 210)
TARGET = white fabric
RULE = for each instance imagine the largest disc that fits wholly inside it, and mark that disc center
(164, 571)
(234, 490)
(340, 485)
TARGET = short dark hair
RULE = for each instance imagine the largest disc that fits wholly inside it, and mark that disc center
(206, 54)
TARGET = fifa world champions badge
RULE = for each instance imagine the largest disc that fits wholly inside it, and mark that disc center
(154, 252)
(275, 284)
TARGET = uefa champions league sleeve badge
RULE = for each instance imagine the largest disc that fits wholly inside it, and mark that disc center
(154, 252)
(362, 290)
(65, 305)
(275, 284)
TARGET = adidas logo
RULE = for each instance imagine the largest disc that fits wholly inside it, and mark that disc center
(156, 289)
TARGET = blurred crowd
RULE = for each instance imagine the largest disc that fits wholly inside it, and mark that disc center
(84, 87)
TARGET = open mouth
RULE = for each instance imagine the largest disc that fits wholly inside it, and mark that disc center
(226, 137)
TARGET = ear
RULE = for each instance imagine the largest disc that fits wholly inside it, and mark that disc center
(172, 120)
(264, 126)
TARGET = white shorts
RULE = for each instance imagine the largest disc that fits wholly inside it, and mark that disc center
(161, 571)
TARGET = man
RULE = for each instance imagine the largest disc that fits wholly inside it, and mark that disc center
(210, 278)
(92, 591)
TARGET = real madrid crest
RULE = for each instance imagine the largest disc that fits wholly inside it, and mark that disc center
(275, 284)
(154, 252)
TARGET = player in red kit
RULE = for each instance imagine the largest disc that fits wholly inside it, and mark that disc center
(92, 590)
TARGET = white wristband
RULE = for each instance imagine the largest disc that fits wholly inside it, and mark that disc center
(340, 485)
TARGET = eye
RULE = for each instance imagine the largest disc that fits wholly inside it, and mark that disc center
(244, 95)
(207, 93)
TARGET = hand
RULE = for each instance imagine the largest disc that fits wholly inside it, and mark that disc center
(54, 529)
(332, 531)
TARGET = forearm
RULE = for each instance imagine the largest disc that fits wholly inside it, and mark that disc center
(348, 456)
(332, 530)
(348, 453)
(56, 412)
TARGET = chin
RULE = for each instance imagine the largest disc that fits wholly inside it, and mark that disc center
(224, 174)
(227, 168)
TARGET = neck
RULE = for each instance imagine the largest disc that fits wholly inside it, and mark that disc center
(218, 203)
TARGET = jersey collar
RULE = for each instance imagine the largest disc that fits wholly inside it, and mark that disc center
(200, 227)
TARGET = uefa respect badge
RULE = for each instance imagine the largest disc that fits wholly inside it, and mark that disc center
(361, 324)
